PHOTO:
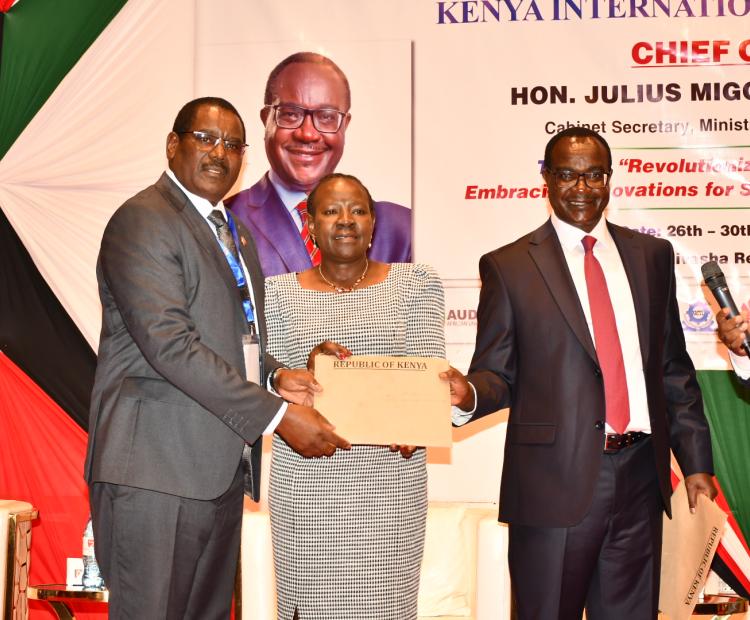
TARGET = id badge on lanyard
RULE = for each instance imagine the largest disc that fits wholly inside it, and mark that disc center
(251, 352)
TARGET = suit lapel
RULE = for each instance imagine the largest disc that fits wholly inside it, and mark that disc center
(545, 251)
(198, 227)
(252, 263)
(274, 223)
(634, 263)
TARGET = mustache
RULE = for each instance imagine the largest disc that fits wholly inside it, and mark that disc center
(217, 163)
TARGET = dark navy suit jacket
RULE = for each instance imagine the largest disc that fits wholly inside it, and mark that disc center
(535, 354)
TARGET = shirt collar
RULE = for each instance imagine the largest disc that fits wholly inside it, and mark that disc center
(570, 236)
(290, 197)
(203, 205)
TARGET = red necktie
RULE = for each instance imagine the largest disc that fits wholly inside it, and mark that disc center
(306, 237)
(608, 348)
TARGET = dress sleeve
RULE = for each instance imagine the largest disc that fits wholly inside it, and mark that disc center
(425, 308)
(275, 322)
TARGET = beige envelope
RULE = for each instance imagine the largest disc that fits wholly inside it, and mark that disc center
(384, 400)
(690, 541)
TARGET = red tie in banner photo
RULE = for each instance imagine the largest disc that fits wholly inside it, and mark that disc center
(312, 250)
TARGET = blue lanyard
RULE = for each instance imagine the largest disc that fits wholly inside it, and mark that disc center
(239, 273)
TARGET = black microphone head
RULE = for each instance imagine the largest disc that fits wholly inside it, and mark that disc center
(712, 274)
(711, 269)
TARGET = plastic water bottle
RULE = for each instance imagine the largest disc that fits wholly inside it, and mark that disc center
(92, 578)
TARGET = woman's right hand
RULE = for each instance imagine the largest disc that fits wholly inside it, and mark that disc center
(327, 347)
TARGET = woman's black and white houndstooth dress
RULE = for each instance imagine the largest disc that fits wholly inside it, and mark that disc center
(348, 531)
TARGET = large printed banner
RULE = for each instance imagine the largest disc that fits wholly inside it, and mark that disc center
(666, 83)
(453, 103)
(668, 88)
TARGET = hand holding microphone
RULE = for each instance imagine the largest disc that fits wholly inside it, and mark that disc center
(732, 324)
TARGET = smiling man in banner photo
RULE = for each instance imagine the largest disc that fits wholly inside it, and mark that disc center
(175, 427)
(579, 334)
(306, 115)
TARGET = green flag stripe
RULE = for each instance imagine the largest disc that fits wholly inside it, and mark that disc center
(42, 41)
(727, 406)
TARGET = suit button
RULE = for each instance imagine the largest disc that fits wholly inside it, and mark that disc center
(599, 425)
(598, 371)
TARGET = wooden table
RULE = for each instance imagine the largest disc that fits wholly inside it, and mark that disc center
(58, 595)
(720, 605)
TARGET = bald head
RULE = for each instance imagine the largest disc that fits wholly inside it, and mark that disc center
(301, 90)
(304, 58)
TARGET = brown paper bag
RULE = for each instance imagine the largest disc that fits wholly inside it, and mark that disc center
(690, 541)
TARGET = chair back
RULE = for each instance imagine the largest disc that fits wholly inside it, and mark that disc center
(15, 557)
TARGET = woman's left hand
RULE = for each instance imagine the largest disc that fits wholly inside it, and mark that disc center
(328, 347)
(406, 451)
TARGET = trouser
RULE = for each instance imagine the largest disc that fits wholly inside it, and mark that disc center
(164, 556)
(608, 563)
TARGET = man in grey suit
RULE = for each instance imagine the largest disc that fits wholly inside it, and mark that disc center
(172, 412)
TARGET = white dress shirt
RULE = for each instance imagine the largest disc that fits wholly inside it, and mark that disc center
(204, 207)
(741, 365)
(289, 197)
(621, 296)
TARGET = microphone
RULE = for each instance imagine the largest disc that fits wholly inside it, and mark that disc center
(716, 281)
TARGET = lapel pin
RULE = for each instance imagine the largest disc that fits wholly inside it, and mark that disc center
(243, 241)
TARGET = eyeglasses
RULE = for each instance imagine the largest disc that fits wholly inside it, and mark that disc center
(325, 120)
(596, 179)
(208, 142)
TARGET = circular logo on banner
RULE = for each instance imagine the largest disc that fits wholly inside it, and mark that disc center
(699, 318)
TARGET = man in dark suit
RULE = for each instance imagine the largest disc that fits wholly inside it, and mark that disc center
(306, 114)
(590, 357)
(172, 411)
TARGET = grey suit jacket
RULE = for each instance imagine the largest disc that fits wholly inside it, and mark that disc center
(535, 354)
(171, 409)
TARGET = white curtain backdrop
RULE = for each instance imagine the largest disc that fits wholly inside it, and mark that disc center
(98, 139)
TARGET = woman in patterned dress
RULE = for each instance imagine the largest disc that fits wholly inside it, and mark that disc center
(348, 531)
